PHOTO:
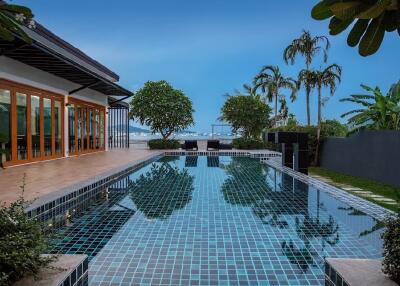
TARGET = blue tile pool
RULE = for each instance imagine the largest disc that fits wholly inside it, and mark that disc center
(197, 220)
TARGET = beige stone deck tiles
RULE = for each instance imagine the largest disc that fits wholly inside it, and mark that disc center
(45, 177)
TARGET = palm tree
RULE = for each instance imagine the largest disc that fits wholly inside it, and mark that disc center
(329, 77)
(12, 17)
(306, 46)
(270, 80)
(378, 112)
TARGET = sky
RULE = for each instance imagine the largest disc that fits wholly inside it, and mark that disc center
(209, 47)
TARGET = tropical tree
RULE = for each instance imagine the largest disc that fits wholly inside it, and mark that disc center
(378, 112)
(12, 17)
(270, 80)
(162, 108)
(328, 77)
(247, 114)
(373, 19)
(308, 47)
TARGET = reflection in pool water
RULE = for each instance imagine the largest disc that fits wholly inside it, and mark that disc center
(216, 220)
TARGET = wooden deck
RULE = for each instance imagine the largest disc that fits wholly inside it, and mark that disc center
(45, 177)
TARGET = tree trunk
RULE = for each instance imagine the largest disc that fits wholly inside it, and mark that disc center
(308, 106)
(308, 91)
(316, 159)
(276, 109)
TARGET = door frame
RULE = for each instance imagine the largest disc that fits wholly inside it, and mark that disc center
(29, 91)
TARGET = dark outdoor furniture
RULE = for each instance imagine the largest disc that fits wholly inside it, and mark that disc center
(225, 146)
(213, 144)
(190, 145)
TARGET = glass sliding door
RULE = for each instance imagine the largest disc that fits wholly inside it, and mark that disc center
(22, 136)
(31, 124)
(97, 120)
(5, 125)
(102, 126)
(79, 129)
(58, 127)
(89, 126)
(47, 126)
(71, 129)
(35, 126)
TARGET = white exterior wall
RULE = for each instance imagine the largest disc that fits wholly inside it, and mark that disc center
(21, 73)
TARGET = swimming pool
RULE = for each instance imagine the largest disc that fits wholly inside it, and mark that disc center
(197, 220)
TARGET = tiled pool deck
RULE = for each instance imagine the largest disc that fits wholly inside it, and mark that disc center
(44, 178)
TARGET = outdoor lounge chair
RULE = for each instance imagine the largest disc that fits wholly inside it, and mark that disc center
(190, 145)
(213, 144)
(225, 146)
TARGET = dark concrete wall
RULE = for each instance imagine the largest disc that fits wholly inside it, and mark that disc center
(369, 154)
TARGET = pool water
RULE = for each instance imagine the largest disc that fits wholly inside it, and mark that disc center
(215, 221)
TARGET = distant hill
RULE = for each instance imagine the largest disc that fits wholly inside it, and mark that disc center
(133, 129)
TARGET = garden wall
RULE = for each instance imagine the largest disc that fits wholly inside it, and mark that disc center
(369, 154)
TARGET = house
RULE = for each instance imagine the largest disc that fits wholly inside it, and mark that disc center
(56, 101)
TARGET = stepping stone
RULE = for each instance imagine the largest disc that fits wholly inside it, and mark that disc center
(363, 193)
(377, 197)
(384, 199)
(350, 188)
(390, 203)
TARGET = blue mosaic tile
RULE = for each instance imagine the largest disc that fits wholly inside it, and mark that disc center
(216, 220)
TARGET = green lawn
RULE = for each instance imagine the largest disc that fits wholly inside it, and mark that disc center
(362, 183)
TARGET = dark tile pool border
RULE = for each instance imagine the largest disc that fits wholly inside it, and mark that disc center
(369, 208)
(332, 277)
(78, 276)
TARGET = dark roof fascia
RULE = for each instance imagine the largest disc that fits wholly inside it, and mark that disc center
(123, 91)
(51, 37)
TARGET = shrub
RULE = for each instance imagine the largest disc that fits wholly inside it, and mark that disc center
(248, 143)
(164, 144)
(391, 249)
(23, 241)
(162, 108)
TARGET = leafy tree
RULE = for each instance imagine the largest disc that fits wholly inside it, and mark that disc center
(308, 47)
(373, 19)
(334, 128)
(378, 112)
(247, 114)
(12, 17)
(270, 80)
(162, 108)
(329, 77)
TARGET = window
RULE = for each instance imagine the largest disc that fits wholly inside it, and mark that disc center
(88, 131)
(35, 126)
(22, 143)
(31, 124)
(5, 126)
